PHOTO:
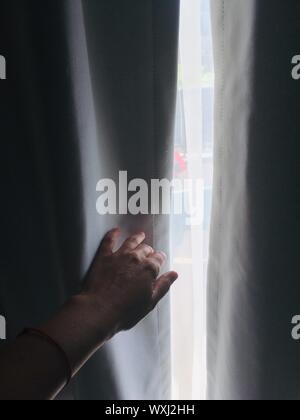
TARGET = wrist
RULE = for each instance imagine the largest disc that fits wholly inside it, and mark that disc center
(79, 329)
(99, 316)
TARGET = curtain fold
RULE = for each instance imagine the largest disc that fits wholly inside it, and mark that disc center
(91, 90)
(254, 288)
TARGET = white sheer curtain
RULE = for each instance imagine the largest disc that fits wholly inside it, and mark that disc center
(193, 160)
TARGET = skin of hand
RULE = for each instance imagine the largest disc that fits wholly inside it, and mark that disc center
(125, 284)
(120, 289)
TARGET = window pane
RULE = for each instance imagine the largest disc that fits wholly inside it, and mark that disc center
(190, 235)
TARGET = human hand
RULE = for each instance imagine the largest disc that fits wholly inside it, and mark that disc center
(124, 286)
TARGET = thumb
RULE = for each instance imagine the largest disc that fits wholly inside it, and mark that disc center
(163, 285)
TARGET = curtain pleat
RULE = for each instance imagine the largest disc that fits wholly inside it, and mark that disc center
(254, 288)
(91, 90)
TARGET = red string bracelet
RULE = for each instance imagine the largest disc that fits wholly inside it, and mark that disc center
(40, 334)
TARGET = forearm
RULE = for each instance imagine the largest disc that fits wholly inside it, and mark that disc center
(80, 328)
(33, 369)
(120, 289)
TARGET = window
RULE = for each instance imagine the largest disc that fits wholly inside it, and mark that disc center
(193, 160)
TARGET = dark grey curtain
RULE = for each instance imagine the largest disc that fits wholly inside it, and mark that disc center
(90, 90)
(254, 287)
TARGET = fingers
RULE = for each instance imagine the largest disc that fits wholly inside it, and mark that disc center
(155, 262)
(144, 251)
(109, 242)
(162, 286)
(158, 258)
(132, 242)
